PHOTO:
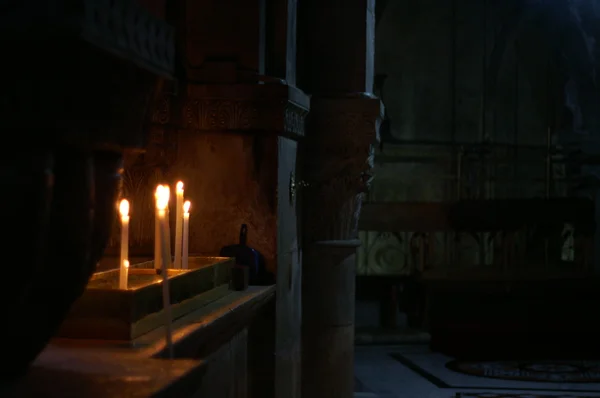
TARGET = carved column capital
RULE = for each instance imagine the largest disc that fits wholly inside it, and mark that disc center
(350, 121)
(339, 157)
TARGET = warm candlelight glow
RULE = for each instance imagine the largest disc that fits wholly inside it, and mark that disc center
(159, 189)
(124, 275)
(178, 223)
(186, 232)
(167, 198)
(162, 197)
(167, 193)
(124, 208)
(157, 255)
(162, 258)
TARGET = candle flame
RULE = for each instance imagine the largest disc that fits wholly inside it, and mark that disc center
(162, 197)
(126, 263)
(186, 206)
(167, 191)
(179, 187)
(124, 208)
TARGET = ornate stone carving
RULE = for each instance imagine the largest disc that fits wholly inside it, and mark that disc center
(339, 158)
(295, 118)
(258, 108)
(214, 114)
(221, 114)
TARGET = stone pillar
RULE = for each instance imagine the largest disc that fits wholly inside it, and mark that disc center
(328, 324)
(343, 131)
(336, 66)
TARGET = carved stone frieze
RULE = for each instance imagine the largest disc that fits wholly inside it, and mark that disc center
(214, 114)
(267, 108)
(339, 149)
(221, 114)
(295, 118)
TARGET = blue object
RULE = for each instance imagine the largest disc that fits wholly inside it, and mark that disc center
(247, 257)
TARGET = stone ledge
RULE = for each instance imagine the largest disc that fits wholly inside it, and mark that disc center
(70, 374)
(94, 369)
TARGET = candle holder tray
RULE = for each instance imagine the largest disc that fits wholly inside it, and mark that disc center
(106, 312)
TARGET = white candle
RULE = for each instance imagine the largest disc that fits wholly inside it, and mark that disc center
(157, 254)
(123, 274)
(167, 191)
(162, 203)
(186, 233)
(178, 224)
(124, 210)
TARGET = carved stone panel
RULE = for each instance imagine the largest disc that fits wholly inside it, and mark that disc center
(275, 109)
(223, 114)
(215, 114)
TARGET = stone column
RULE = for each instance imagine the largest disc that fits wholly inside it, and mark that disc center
(337, 168)
(335, 66)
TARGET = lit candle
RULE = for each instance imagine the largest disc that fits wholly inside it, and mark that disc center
(186, 233)
(157, 254)
(123, 275)
(178, 222)
(124, 210)
(167, 191)
(162, 203)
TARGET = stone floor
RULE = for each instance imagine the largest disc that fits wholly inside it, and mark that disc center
(423, 374)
